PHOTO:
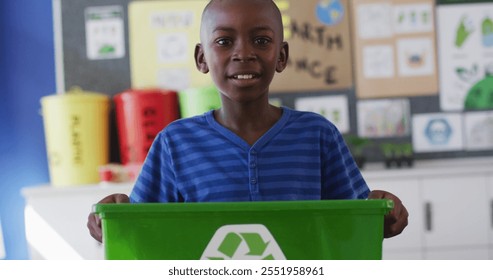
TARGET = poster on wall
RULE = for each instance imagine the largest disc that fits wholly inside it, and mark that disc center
(105, 31)
(394, 48)
(335, 108)
(319, 40)
(437, 132)
(478, 130)
(465, 40)
(383, 118)
(162, 39)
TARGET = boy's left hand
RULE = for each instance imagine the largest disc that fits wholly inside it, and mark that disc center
(396, 219)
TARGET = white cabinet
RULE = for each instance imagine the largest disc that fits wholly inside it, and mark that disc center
(489, 184)
(455, 216)
(56, 219)
(450, 206)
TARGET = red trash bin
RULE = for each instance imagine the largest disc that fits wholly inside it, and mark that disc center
(141, 115)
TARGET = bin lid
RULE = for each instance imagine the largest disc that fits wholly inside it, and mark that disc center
(382, 206)
(76, 94)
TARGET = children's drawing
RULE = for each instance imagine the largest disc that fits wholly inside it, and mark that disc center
(375, 21)
(378, 61)
(416, 57)
(173, 48)
(437, 132)
(334, 108)
(413, 18)
(479, 130)
(383, 118)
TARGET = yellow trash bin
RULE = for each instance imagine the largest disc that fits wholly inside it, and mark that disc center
(76, 133)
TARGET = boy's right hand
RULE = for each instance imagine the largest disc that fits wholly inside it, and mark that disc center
(94, 222)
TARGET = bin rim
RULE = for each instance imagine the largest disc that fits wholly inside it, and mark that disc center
(362, 205)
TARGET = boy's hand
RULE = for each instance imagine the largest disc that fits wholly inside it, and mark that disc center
(396, 220)
(94, 222)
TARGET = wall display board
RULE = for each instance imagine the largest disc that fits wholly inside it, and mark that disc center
(319, 40)
(465, 40)
(91, 45)
(394, 47)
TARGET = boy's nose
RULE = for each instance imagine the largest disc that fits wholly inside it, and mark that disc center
(244, 53)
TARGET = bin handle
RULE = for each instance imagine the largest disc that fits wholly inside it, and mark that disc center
(428, 216)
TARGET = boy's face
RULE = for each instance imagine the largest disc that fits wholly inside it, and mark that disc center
(242, 47)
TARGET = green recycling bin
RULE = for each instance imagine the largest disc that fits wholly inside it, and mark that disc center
(292, 230)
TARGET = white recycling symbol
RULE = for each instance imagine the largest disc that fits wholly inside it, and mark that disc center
(243, 242)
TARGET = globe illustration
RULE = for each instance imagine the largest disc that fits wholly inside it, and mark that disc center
(330, 12)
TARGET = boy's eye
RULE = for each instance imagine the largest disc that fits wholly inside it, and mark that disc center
(223, 42)
(262, 41)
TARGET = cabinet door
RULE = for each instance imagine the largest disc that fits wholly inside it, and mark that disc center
(490, 214)
(410, 240)
(470, 253)
(455, 212)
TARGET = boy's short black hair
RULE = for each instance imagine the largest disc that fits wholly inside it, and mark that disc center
(276, 11)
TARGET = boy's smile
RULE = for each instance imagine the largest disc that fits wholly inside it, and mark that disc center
(241, 46)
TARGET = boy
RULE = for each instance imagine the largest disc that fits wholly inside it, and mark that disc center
(248, 150)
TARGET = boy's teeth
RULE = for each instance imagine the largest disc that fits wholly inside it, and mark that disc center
(244, 77)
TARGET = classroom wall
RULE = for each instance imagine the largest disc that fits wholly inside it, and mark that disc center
(26, 74)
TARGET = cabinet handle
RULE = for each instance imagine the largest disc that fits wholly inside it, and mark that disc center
(428, 215)
(491, 212)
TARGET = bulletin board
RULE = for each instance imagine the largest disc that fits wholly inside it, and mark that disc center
(320, 76)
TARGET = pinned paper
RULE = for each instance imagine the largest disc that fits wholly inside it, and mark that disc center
(162, 36)
(437, 132)
(479, 130)
(416, 57)
(466, 56)
(334, 108)
(383, 118)
(105, 37)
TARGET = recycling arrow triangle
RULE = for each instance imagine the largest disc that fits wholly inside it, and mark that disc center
(247, 242)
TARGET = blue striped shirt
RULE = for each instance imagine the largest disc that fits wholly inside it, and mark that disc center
(302, 157)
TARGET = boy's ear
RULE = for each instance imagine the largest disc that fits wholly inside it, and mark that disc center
(282, 62)
(200, 59)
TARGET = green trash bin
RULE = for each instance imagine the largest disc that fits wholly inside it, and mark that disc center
(196, 101)
(292, 230)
